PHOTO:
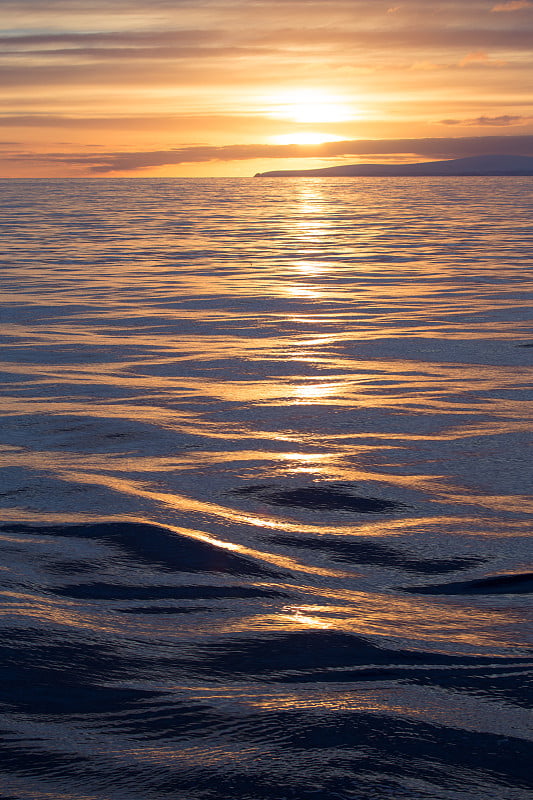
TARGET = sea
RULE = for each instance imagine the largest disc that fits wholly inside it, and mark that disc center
(266, 489)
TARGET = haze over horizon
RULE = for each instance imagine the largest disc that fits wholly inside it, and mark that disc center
(223, 87)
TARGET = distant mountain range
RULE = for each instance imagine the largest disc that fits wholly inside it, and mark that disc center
(473, 165)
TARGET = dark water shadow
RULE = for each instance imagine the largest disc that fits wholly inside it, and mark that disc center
(306, 656)
(330, 657)
(364, 552)
(109, 591)
(519, 583)
(44, 676)
(156, 545)
(165, 610)
(321, 498)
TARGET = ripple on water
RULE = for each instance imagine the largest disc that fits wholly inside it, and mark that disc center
(247, 425)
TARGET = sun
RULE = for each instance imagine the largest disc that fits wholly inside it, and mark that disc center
(309, 106)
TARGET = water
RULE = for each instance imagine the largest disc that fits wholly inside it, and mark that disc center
(265, 489)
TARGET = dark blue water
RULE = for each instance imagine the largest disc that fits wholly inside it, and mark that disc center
(266, 489)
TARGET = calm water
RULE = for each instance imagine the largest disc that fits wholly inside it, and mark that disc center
(265, 489)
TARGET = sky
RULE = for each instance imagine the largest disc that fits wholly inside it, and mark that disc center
(233, 87)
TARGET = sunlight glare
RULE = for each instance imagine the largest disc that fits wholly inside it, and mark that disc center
(309, 105)
(304, 138)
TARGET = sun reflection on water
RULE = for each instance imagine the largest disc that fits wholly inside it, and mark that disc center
(310, 226)
(317, 392)
(297, 290)
(298, 617)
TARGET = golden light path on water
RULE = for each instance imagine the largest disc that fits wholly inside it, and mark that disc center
(266, 488)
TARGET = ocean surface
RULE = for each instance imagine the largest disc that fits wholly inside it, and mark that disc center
(266, 489)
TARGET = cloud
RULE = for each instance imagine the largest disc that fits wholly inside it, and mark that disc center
(273, 34)
(103, 163)
(425, 66)
(512, 5)
(46, 41)
(157, 122)
(502, 120)
(481, 58)
(32, 64)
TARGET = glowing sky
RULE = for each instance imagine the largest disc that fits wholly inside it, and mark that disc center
(228, 87)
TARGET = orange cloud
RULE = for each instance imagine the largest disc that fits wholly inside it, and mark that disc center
(425, 66)
(500, 121)
(130, 162)
(480, 57)
(513, 5)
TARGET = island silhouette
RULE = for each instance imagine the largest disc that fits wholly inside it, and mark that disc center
(487, 165)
